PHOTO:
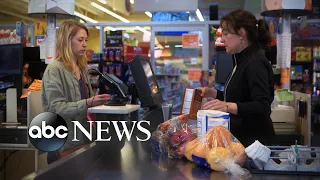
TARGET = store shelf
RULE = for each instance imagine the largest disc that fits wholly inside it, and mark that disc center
(166, 99)
(3, 75)
(167, 74)
(93, 62)
(177, 105)
(301, 62)
(7, 85)
(174, 89)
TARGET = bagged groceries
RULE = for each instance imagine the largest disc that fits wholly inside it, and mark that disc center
(213, 148)
(218, 150)
(172, 135)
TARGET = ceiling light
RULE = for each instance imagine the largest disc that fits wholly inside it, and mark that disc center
(167, 46)
(85, 17)
(102, 1)
(110, 28)
(178, 45)
(199, 15)
(132, 1)
(109, 12)
(143, 30)
(148, 14)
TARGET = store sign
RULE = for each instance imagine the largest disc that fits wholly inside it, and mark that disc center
(269, 5)
(114, 39)
(194, 74)
(40, 28)
(173, 16)
(165, 5)
(39, 40)
(308, 33)
(131, 51)
(190, 40)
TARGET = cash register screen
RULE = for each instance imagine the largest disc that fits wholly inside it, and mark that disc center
(147, 70)
(145, 81)
(11, 59)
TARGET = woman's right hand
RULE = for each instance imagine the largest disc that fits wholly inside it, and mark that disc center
(208, 92)
(99, 99)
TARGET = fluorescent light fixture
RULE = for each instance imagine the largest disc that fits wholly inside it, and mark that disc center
(167, 46)
(109, 12)
(85, 17)
(143, 30)
(200, 45)
(178, 46)
(102, 1)
(131, 28)
(199, 15)
(110, 28)
(132, 1)
(148, 14)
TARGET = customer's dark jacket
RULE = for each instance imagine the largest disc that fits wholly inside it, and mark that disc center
(251, 88)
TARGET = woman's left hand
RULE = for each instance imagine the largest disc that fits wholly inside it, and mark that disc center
(215, 105)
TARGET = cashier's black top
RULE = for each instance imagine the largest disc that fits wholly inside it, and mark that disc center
(251, 87)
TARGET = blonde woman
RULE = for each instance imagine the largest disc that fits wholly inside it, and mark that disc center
(66, 89)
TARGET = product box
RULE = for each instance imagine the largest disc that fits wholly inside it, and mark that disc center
(191, 103)
(207, 119)
(21, 33)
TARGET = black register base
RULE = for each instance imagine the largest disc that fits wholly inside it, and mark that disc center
(134, 161)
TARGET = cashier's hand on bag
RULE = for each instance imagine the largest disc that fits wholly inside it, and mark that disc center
(208, 92)
(99, 99)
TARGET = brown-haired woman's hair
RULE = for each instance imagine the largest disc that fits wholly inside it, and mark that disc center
(67, 30)
(257, 31)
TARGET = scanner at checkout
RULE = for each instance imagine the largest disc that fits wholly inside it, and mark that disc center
(119, 91)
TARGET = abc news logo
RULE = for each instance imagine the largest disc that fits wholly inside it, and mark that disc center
(49, 131)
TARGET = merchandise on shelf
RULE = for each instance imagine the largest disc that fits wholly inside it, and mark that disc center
(4, 85)
(296, 72)
(113, 54)
(18, 35)
(301, 54)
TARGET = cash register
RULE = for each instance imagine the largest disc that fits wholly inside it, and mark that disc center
(145, 89)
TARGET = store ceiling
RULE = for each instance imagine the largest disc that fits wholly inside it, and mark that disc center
(17, 10)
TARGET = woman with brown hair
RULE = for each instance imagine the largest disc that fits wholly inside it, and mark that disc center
(66, 89)
(248, 92)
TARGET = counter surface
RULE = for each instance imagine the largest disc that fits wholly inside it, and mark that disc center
(134, 161)
(114, 109)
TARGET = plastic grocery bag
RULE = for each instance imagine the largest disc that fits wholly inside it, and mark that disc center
(218, 150)
(172, 136)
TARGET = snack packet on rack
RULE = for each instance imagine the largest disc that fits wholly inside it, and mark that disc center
(172, 136)
(218, 150)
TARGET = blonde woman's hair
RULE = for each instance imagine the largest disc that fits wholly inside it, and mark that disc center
(67, 30)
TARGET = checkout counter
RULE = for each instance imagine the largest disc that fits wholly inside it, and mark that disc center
(132, 159)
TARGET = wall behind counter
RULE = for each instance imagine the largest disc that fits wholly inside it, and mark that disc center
(94, 40)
